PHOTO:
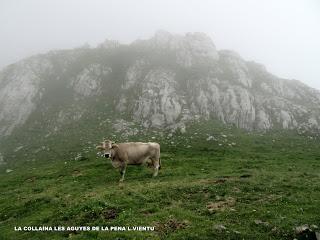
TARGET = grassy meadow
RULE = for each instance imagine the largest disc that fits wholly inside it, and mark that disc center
(214, 184)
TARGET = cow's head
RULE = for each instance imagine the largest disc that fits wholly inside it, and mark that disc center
(105, 148)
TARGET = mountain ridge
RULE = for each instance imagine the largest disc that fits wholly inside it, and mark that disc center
(161, 82)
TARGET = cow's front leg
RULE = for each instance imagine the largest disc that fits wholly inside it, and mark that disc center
(155, 171)
(122, 172)
(156, 166)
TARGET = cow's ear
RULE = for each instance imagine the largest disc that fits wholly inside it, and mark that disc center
(99, 147)
(114, 146)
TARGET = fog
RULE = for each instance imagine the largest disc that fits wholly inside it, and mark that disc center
(282, 35)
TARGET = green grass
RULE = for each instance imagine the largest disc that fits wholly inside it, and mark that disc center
(271, 177)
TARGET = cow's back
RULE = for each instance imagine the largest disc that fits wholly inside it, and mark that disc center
(138, 152)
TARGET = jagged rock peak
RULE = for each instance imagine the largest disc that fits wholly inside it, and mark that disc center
(188, 47)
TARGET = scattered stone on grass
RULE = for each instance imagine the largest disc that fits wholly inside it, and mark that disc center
(76, 173)
(307, 235)
(220, 227)
(80, 157)
(259, 222)
(31, 179)
(307, 232)
(301, 228)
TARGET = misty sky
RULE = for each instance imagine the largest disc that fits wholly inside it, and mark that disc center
(284, 35)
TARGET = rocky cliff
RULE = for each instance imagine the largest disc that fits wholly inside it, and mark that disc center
(162, 82)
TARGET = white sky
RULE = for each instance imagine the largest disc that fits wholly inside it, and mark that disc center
(284, 35)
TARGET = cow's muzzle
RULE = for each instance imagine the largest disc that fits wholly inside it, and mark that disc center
(107, 155)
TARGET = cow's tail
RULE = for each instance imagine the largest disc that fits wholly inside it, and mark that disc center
(159, 158)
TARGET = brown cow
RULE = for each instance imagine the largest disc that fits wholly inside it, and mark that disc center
(131, 153)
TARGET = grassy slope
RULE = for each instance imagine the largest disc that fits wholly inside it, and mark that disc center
(272, 177)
